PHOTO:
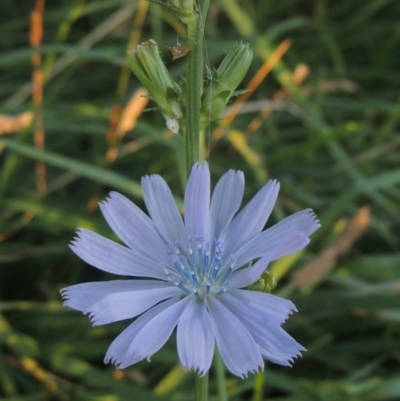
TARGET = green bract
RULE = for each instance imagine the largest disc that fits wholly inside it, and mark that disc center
(266, 283)
(224, 81)
(146, 63)
(183, 5)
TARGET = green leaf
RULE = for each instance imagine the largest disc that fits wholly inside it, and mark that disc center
(95, 173)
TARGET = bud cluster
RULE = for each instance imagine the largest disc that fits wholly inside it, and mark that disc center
(146, 63)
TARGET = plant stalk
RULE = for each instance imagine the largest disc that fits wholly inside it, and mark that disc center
(220, 374)
(195, 26)
(201, 388)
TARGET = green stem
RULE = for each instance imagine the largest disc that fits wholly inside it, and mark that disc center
(195, 25)
(258, 387)
(220, 373)
(201, 388)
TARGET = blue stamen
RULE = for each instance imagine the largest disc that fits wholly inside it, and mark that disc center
(229, 271)
(226, 275)
(208, 283)
(216, 260)
(207, 258)
(184, 289)
(175, 281)
(179, 268)
(191, 257)
(216, 266)
(198, 274)
(195, 292)
(194, 278)
(201, 256)
(223, 289)
(184, 263)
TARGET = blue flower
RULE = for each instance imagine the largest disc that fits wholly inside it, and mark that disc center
(192, 275)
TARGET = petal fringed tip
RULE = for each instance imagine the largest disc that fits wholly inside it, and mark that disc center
(82, 296)
(117, 351)
(284, 238)
(128, 304)
(262, 316)
(111, 257)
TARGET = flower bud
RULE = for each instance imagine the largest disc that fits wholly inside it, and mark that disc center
(146, 63)
(224, 81)
(266, 283)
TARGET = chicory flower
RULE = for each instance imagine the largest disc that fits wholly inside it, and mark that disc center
(192, 274)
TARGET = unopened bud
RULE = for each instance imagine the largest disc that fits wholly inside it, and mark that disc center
(224, 82)
(146, 63)
(266, 283)
(270, 281)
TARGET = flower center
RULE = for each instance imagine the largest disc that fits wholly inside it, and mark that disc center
(202, 271)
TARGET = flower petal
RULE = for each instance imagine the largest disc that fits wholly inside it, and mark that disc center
(197, 202)
(225, 201)
(195, 337)
(111, 257)
(128, 304)
(264, 310)
(251, 220)
(286, 237)
(278, 346)
(274, 343)
(237, 347)
(83, 296)
(134, 227)
(156, 332)
(163, 210)
(304, 221)
(118, 349)
(270, 309)
(295, 243)
(244, 277)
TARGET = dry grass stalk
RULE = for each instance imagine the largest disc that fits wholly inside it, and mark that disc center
(113, 137)
(114, 129)
(130, 115)
(11, 124)
(35, 39)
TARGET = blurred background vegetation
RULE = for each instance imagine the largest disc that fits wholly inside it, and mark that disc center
(323, 118)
